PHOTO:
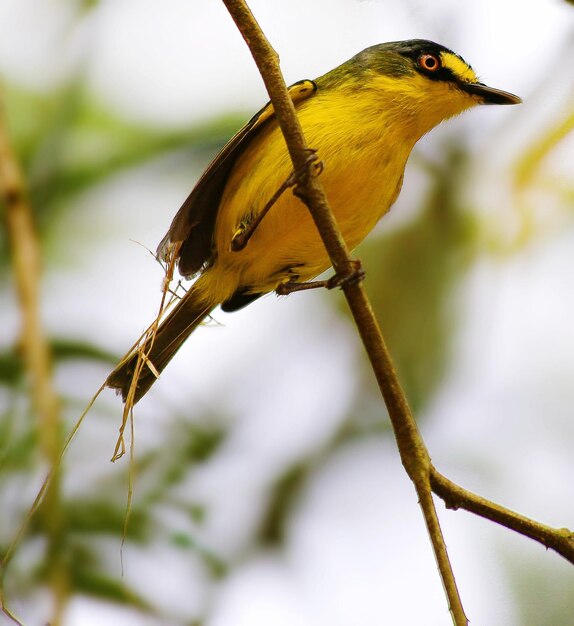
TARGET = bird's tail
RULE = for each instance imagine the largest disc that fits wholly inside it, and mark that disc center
(172, 332)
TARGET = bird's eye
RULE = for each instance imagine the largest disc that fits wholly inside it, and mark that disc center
(429, 62)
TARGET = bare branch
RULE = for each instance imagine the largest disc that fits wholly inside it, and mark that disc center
(414, 454)
(561, 540)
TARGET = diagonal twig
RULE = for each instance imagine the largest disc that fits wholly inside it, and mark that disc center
(561, 540)
(414, 454)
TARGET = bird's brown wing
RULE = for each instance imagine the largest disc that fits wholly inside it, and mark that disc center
(194, 223)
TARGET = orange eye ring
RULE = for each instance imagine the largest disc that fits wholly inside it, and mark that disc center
(429, 62)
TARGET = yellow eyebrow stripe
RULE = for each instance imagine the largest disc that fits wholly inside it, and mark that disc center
(458, 67)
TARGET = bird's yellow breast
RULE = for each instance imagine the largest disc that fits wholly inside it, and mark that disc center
(364, 155)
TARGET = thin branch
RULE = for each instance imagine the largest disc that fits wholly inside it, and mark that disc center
(414, 454)
(26, 263)
(561, 540)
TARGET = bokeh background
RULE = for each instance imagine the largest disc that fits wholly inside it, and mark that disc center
(267, 487)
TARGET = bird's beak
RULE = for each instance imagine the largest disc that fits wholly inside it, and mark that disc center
(490, 95)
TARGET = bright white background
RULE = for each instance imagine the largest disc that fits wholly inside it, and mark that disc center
(357, 551)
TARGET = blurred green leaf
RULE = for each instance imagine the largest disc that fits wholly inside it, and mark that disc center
(18, 445)
(184, 446)
(11, 368)
(285, 491)
(216, 565)
(98, 585)
(411, 273)
(70, 350)
(96, 515)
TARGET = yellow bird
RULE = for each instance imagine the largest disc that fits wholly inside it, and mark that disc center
(363, 118)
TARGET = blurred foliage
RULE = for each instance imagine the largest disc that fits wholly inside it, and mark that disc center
(532, 159)
(411, 275)
(11, 368)
(63, 349)
(531, 173)
(67, 144)
(284, 493)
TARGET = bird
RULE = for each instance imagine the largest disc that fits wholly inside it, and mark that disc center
(363, 119)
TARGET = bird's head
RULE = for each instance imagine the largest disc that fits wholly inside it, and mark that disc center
(419, 81)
